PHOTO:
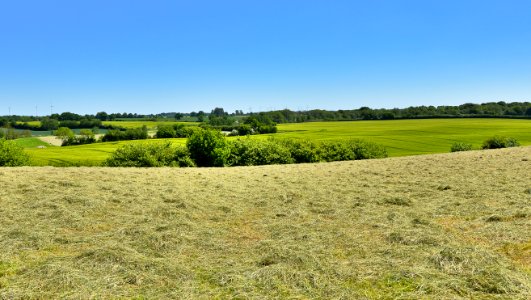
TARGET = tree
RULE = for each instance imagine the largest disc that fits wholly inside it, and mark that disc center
(179, 116)
(103, 116)
(200, 116)
(208, 148)
(64, 133)
(69, 116)
(49, 124)
(86, 136)
(218, 112)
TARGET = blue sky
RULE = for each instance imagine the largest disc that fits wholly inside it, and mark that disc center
(158, 56)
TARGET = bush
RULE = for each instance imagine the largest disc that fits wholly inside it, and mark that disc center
(174, 131)
(249, 152)
(165, 132)
(336, 151)
(497, 142)
(351, 150)
(460, 146)
(208, 148)
(12, 155)
(149, 155)
(367, 150)
(128, 134)
(303, 151)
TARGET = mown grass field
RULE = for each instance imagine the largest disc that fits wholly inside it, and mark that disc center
(445, 226)
(400, 137)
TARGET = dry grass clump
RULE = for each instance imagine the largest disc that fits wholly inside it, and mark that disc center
(443, 226)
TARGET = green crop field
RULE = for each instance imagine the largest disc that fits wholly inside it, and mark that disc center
(400, 137)
(83, 155)
(411, 137)
(149, 124)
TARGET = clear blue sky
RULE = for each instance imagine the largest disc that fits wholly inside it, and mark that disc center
(86, 56)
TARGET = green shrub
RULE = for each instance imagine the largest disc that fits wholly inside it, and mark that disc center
(208, 148)
(128, 134)
(165, 132)
(351, 150)
(366, 150)
(12, 155)
(182, 157)
(336, 151)
(249, 152)
(497, 142)
(147, 155)
(302, 151)
(460, 146)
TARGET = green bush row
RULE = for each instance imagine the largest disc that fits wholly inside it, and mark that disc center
(209, 148)
(495, 142)
(150, 155)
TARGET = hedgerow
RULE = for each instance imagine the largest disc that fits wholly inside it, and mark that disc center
(209, 148)
(150, 155)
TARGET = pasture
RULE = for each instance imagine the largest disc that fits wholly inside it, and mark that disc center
(400, 137)
(445, 226)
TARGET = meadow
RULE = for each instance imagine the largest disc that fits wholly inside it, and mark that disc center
(444, 226)
(400, 137)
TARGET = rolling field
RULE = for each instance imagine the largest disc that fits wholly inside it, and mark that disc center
(411, 137)
(400, 137)
(31, 142)
(445, 226)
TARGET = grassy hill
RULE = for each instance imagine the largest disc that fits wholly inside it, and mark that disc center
(441, 226)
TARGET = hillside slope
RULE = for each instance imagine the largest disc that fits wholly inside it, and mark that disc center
(435, 226)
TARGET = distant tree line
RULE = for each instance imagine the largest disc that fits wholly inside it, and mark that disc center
(468, 110)
(220, 119)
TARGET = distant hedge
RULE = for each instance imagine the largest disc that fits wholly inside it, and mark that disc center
(209, 148)
(497, 142)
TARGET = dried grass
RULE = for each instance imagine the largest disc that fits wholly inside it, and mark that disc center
(380, 229)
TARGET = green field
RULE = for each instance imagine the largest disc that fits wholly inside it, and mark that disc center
(400, 137)
(151, 125)
(411, 137)
(83, 155)
(31, 142)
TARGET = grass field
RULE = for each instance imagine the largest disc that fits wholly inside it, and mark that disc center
(151, 125)
(31, 142)
(411, 137)
(446, 226)
(400, 137)
(82, 155)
